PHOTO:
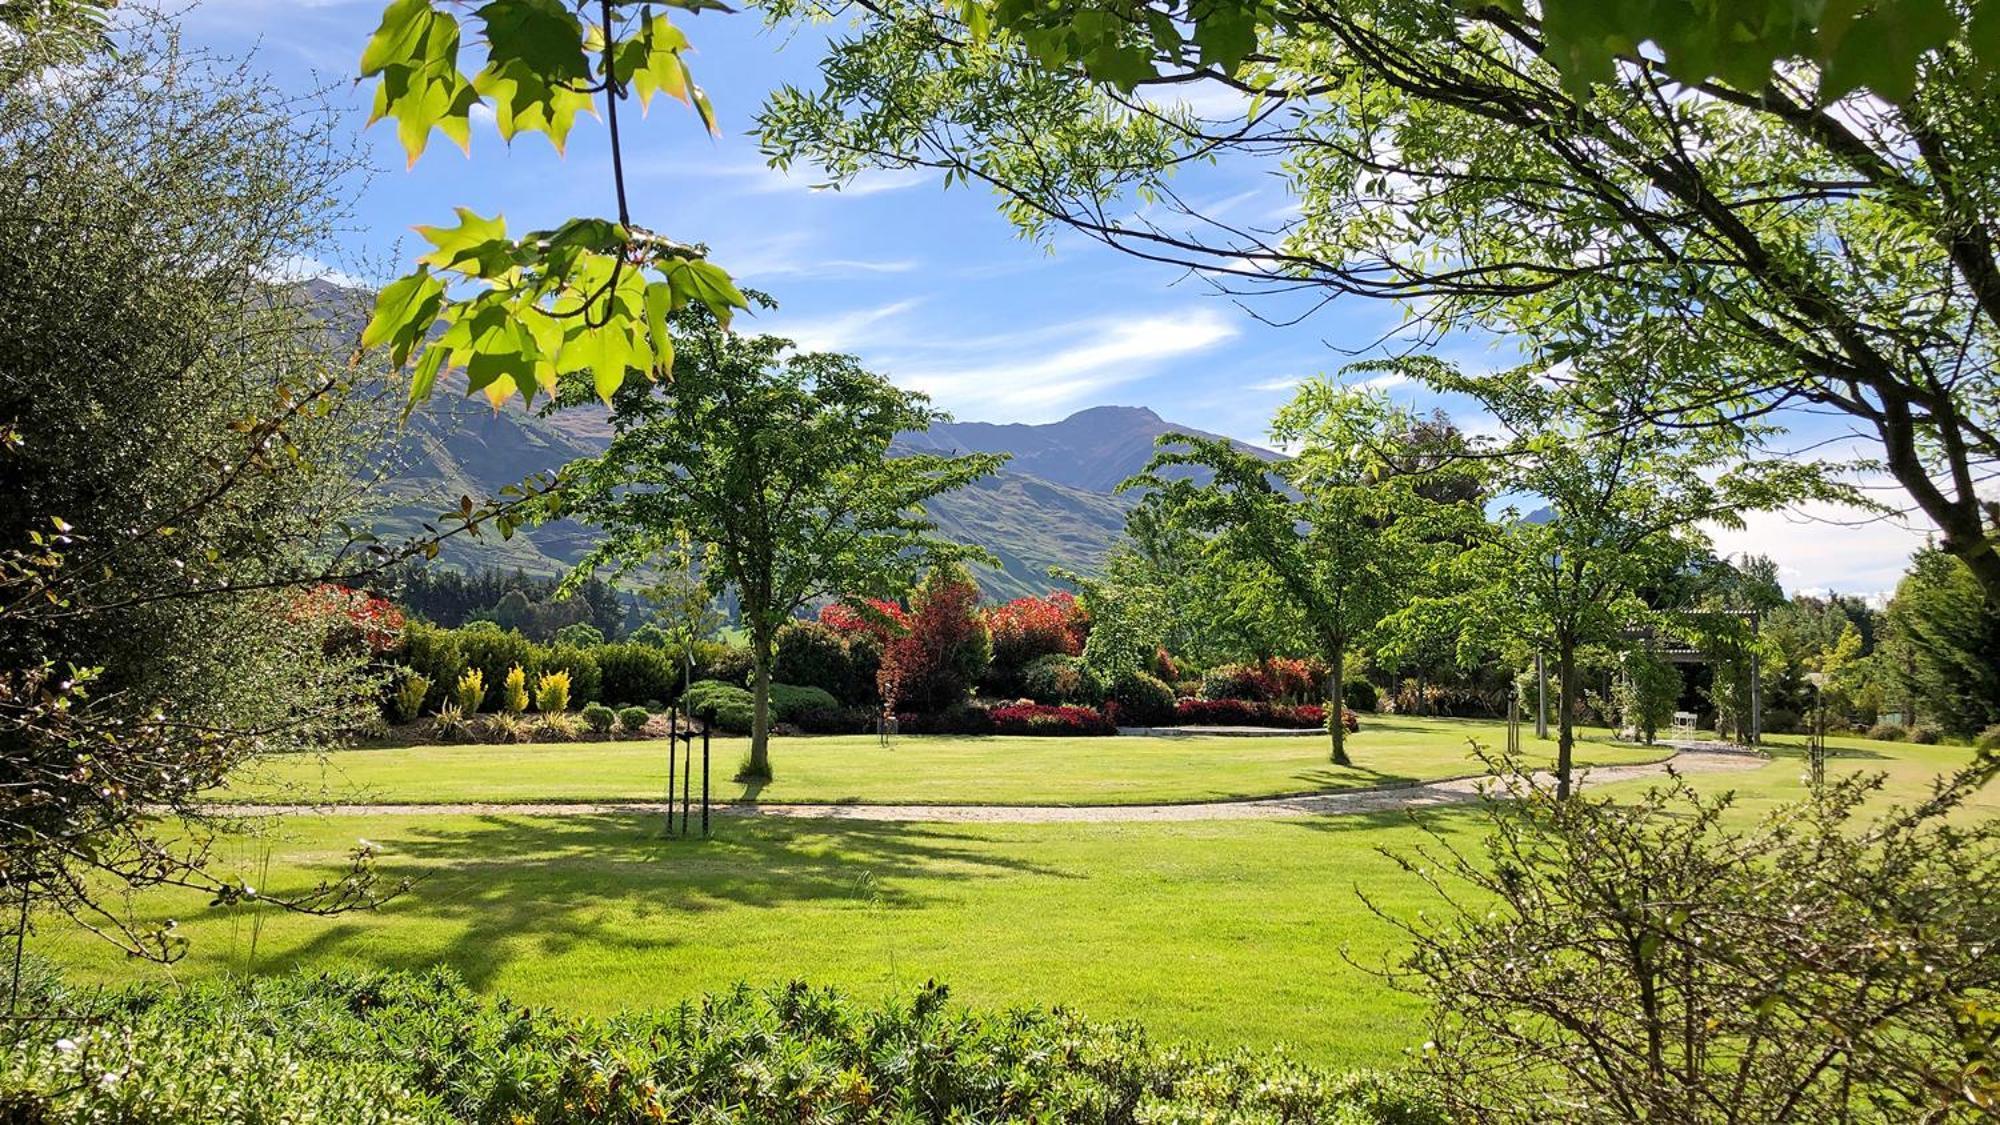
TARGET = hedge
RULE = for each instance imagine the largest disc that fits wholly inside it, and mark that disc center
(1244, 713)
(1041, 719)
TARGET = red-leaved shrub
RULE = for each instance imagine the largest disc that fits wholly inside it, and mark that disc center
(1249, 713)
(939, 658)
(1027, 629)
(883, 620)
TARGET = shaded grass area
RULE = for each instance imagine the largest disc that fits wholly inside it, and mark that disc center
(1222, 932)
(913, 769)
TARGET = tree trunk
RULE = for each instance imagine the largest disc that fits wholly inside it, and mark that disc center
(760, 708)
(1336, 723)
(1565, 715)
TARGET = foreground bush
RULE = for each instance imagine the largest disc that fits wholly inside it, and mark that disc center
(406, 1048)
(1140, 700)
(1060, 680)
(1612, 959)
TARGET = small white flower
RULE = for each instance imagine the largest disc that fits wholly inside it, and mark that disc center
(65, 1045)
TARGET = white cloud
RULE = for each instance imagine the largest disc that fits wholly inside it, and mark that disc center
(1823, 547)
(851, 331)
(1271, 386)
(1037, 372)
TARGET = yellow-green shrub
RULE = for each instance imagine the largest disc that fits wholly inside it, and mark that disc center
(410, 692)
(552, 693)
(514, 691)
(470, 692)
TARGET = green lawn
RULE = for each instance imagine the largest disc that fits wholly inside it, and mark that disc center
(913, 770)
(1230, 932)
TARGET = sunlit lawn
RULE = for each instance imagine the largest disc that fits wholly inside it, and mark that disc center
(1228, 932)
(912, 769)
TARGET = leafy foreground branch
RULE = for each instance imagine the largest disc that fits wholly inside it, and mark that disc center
(381, 1048)
(1621, 960)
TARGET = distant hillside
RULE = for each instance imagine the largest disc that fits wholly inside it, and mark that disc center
(1051, 506)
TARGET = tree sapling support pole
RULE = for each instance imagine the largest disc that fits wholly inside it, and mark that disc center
(687, 776)
(1541, 698)
(673, 748)
(704, 783)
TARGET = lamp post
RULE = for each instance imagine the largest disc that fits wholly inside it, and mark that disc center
(1816, 737)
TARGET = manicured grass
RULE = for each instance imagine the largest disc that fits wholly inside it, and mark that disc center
(912, 770)
(1227, 932)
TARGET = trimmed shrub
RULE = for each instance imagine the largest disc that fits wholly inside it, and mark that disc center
(1041, 719)
(1925, 735)
(1359, 695)
(634, 673)
(788, 700)
(495, 654)
(586, 679)
(434, 654)
(1062, 681)
(598, 717)
(836, 720)
(411, 691)
(1027, 629)
(1140, 700)
(1887, 732)
(720, 705)
(469, 694)
(552, 693)
(633, 720)
(514, 691)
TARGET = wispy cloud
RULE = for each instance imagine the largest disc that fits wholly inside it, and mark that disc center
(853, 331)
(1272, 386)
(1039, 371)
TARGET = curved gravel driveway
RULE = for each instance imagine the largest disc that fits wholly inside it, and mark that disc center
(1385, 799)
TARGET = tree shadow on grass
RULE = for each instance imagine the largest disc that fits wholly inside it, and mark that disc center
(500, 887)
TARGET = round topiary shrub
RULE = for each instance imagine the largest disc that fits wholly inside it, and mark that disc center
(1061, 680)
(599, 718)
(788, 701)
(1886, 732)
(1925, 735)
(633, 719)
(720, 705)
(1141, 700)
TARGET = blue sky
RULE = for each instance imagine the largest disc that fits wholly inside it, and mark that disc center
(928, 286)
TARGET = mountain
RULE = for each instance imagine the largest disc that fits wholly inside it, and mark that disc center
(1052, 505)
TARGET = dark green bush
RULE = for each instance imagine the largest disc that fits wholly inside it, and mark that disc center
(1141, 700)
(788, 700)
(579, 634)
(1780, 720)
(727, 663)
(404, 1047)
(634, 673)
(1359, 695)
(1925, 735)
(495, 653)
(434, 654)
(1062, 680)
(814, 655)
(650, 635)
(633, 720)
(723, 706)
(599, 717)
(1887, 732)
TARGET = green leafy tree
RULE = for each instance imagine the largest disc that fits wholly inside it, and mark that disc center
(1340, 528)
(1486, 167)
(1599, 518)
(780, 463)
(1646, 691)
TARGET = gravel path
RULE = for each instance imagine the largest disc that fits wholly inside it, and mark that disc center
(1387, 799)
